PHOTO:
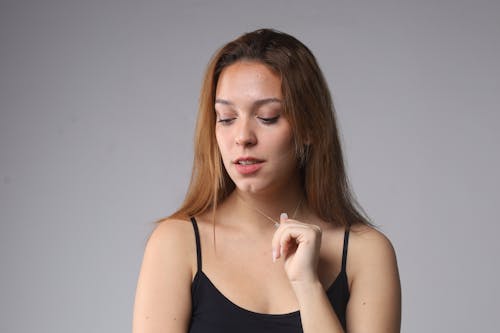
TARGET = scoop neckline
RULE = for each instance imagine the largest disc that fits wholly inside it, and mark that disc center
(254, 313)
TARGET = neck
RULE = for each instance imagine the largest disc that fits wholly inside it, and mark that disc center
(268, 207)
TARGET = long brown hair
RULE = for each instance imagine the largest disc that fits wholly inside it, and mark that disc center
(309, 109)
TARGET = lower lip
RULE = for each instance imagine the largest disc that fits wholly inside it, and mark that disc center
(248, 169)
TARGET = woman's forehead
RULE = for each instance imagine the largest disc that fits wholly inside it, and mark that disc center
(246, 80)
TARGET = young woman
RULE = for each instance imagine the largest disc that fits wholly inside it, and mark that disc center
(268, 238)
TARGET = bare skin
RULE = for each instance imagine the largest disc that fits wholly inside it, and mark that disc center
(256, 266)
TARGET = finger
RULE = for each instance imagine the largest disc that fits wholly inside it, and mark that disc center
(289, 236)
(283, 217)
(285, 245)
(276, 247)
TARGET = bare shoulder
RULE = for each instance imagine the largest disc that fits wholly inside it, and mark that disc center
(369, 245)
(172, 230)
(166, 274)
(170, 227)
(375, 302)
(174, 240)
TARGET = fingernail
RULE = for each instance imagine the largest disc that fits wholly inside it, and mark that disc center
(274, 255)
(283, 216)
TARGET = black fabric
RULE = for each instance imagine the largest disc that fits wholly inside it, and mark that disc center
(212, 312)
(198, 243)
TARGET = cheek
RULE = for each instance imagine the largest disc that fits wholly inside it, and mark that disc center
(285, 142)
(282, 148)
(221, 142)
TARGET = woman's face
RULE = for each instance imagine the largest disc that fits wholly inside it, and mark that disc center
(254, 138)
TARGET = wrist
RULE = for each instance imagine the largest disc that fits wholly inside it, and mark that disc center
(308, 288)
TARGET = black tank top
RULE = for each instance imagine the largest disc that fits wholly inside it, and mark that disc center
(212, 312)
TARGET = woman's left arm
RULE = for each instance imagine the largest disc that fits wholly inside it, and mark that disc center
(375, 296)
(375, 292)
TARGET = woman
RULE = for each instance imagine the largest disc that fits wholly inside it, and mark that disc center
(268, 238)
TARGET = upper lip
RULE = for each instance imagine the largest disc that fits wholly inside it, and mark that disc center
(247, 158)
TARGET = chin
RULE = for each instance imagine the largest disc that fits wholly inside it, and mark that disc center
(251, 186)
(248, 188)
(263, 183)
(258, 187)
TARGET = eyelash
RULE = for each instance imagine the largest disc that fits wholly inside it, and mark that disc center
(269, 121)
(225, 122)
(265, 121)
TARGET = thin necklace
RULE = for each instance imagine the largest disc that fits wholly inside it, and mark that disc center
(276, 223)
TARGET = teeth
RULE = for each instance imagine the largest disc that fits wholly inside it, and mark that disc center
(247, 162)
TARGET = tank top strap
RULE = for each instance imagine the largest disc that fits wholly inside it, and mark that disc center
(198, 244)
(344, 251)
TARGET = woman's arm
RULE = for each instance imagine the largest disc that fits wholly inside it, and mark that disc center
(375, 301)
(375, 297)
(163, 296)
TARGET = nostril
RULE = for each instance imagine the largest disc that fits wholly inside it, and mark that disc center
(245, 140)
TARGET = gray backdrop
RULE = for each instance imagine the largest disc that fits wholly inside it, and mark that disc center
(98, 101)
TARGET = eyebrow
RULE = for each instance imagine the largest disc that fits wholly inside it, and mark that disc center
(255, 104)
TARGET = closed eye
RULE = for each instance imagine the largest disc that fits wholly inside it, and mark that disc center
(225, 121)
(269, 121)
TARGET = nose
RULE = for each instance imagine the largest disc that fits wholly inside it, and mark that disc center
(245, 135)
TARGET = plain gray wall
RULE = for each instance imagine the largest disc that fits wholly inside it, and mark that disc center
(98, 102)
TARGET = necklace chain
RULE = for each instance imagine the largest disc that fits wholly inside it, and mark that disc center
(276, 223)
